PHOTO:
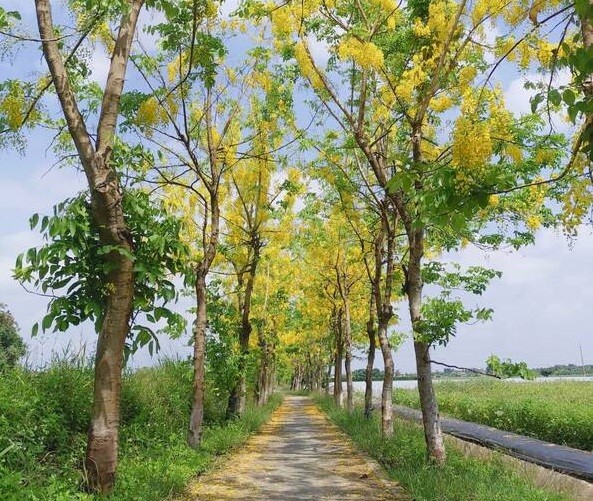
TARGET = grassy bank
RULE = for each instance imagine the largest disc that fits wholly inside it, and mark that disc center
(403, 456)
(44, 417)
(557, 411)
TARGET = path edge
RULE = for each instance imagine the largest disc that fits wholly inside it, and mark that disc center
(393, 487)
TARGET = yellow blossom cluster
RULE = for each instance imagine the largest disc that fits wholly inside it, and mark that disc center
(576, 202)
(493, 200)
(514, 152)
(150, 113)
(12, 106)
(483, 8)
(365, 54)
(438, 24)
(475, 133)
(309, 71)
(411, 79)
(441, 103)
(287, 18)
(178, 67)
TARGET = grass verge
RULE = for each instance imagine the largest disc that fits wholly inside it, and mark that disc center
(403, 456)
(44, 417)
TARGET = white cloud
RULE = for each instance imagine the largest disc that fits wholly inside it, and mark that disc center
(542, 306)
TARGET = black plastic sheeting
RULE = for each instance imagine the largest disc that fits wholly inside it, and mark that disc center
(556, 457)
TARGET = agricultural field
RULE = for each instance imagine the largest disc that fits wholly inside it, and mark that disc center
(557, 411)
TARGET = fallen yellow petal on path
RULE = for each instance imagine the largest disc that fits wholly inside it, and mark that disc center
(298, 455)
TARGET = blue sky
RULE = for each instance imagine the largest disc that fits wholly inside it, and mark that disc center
(542, 304)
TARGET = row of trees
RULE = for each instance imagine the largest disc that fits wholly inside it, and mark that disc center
(202, 164)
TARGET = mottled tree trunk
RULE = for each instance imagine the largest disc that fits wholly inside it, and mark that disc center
(107, 213)
(196, 419)
(262, 389)
(387, 390)
(328, 375)
(338, 391)
(368, 378)
(237, 397)
(347, 330)
(428, 402)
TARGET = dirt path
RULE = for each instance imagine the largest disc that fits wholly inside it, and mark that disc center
(298, 455)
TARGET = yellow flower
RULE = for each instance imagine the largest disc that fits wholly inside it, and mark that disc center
(365, 54)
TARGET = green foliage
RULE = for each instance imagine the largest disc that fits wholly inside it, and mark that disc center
(508, 368)
(44, 417)
(558, 412)
(12, 346)
(404, 458)
(441, 314)
(72, 267)
(7, 17)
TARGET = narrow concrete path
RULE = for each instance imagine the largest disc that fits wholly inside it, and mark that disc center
(299, 455)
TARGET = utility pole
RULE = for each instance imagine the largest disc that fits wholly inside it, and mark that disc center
(582, 361)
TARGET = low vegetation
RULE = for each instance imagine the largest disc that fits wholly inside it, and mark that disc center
(44, 416)
(403, 456)
(556, 411)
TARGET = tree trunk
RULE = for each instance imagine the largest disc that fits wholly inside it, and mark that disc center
(338, 393)
(236, 405)
(263, 378)
(196, 419)
(368, 391)
(106, 209)
(348, 358)
(586, 19)
(428, 403)
(328, 376)
(387, 391)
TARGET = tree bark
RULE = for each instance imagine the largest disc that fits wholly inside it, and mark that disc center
(196, 420)
(385, 312)
(372, 335)
(428, 402)
(338, 392)
(387, 390)
(587, 32)
(106, 210)
(261, 390)
(348, 358)
(328, 374)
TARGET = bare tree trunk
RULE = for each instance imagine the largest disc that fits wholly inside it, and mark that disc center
(196, 420)
(107, 213)
(428, 402)
(348, 358)
(338, 392)
(385, 313)
(263, 378)
(328, 375)
(368, 391)
(237, 397)
(387, 391)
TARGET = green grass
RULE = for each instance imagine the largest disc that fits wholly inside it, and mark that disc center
(461, 479)
(44, 417)
(557, 411)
